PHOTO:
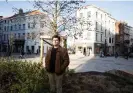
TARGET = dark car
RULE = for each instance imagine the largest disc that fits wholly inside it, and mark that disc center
(131, 55)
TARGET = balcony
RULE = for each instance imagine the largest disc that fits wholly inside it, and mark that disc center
(127, 41)
(20, 38)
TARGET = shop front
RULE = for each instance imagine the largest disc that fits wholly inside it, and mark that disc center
(98, 47)
(18, 45)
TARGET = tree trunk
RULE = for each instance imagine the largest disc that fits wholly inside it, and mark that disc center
(42, 52)
(65, 43)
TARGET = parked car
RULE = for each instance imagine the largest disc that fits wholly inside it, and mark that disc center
(130, 54)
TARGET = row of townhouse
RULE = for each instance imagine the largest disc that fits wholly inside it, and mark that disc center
(24, 29)
(99, 32)
(124, 37)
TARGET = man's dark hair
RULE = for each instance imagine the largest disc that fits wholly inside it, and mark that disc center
(56, 36)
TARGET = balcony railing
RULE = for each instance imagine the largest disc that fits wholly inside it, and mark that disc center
(20, 38)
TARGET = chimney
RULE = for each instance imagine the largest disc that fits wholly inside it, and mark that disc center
(20, 11)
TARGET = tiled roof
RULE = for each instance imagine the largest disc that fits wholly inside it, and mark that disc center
(34, 12)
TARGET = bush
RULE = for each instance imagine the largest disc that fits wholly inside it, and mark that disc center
(22, 77)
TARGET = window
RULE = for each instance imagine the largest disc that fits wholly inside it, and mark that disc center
(28, 18)
(11, 20)
(96, 25)
(96, 36)
(112, 40)
(28, 25)
(28, 35)
(36, 17)
(96, 14)
(5, 28)
(34, 25)
(101, 16)
(15, 35)
(23, 26)
(20, 26)
(5, 21)
(109, 31)
(33, 35)
(101, 27)
(43, 16)
(89, 14)
(23, 34)
(27, 48)
(4, 37)
(109, 40)
(42, 25)
(101, 38)
(81, 15)
(18, 35)
(15, 27)
(105, 32)
(11, 28)
(88, 25)
(7, 36)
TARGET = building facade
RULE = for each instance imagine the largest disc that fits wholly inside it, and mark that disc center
(23, 31)
(131, 39)
(122, 37)
(98, 31)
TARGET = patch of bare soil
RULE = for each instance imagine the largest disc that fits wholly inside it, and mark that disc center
(97, 82)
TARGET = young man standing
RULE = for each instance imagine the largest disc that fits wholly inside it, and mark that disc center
(56, 62)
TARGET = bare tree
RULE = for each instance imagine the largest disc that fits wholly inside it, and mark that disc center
(60, 13)
(59, 16)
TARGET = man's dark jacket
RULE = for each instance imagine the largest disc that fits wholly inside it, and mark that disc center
(62, 60)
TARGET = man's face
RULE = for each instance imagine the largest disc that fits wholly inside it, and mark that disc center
(56, 41)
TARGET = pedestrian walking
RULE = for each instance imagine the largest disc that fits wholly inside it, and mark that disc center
(116, 54)
(21, 54)
(126, 55)
(56, 63)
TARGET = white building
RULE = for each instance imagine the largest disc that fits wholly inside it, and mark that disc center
(98, 28)
(25, 28)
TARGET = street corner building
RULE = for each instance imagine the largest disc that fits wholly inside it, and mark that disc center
(100, 33)
(22, 31)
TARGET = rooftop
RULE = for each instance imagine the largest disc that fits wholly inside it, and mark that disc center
(87, 6)
(34, 12)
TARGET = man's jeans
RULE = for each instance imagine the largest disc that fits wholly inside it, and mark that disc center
(55, 82)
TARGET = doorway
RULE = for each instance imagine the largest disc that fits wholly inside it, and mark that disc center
(32, 49)
(84, 52)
